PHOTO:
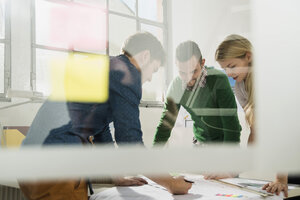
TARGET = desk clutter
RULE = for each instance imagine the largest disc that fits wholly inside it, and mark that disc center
(201, 190)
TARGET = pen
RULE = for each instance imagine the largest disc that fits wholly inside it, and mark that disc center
(188, 181)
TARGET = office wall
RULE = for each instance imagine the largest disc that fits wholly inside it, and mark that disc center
(277, 43)
(209, 22)
(19, 115)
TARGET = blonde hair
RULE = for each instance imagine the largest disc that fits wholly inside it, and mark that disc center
(236, 46)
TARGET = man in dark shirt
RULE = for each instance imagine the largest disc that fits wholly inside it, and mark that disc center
(142, 56)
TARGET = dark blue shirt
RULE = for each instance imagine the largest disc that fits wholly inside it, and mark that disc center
(122, 108)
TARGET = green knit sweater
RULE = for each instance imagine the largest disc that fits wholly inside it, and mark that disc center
(212, 108)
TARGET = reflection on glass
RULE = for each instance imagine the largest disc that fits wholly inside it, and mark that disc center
(157, 31)
(123, 6)
(43, 64)
(71, 25)
(1, 68)
(2, 19)
(152, 10)
(119, 29)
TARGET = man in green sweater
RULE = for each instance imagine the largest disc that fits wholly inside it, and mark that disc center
(206, 94)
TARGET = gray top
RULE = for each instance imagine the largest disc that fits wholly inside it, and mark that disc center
(241, 93)
(50, 116)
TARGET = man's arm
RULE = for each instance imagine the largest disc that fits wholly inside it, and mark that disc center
(120, 181)
(170, 112)
(167, 122)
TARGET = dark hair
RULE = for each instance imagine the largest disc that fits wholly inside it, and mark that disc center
(186, 50)
(144, 41)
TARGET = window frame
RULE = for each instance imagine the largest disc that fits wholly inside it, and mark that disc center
(7, 52)
(163, 25)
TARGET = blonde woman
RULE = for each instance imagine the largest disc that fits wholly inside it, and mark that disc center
(234, 55)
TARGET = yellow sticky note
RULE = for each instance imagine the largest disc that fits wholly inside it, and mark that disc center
(81, 78)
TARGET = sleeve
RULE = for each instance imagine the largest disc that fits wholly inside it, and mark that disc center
(124, 101)
(228, 109)
(168, 117)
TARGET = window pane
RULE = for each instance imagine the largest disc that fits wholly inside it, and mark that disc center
(71, 25)
(43, 64)
(42, 21)
(123, 6)
(2, 68)
(120, 28)
(2, 19)
(101, 3)
(153, 91)
(152, 10)
(157, 31)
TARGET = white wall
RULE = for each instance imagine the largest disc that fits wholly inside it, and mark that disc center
(209, 22)
(277, 43)
(19, 115)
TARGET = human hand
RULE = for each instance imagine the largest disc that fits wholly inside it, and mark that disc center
(178, 186)
(129, 181)
(217, 176)
(276, 187)
(170, 114)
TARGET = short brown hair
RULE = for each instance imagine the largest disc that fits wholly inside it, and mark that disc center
(144, 41)
(186, 50)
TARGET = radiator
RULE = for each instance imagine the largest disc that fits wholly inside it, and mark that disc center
(10, 193)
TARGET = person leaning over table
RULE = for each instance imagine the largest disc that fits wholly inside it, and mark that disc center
(234, 55)
(206, 94)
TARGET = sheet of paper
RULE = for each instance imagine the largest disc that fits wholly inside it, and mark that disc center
(201, 189)
(252, 183)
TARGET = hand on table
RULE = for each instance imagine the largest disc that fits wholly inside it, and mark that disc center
(179, 186)
(276, 187)
(175, 185)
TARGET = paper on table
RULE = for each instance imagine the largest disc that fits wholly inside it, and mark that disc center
(251, 183)
(201, 189)
(211, 189)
